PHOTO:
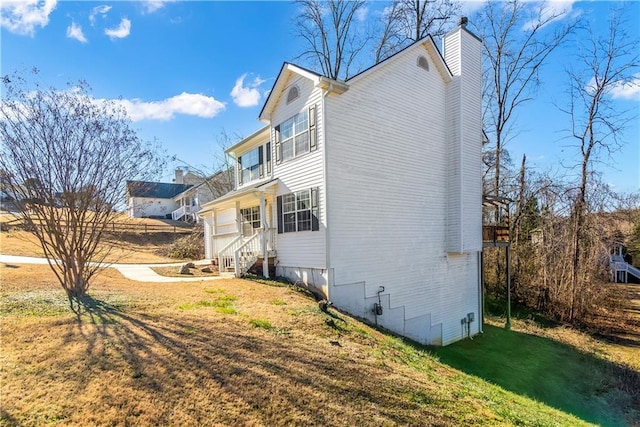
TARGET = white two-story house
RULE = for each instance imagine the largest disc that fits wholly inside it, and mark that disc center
(369, 189)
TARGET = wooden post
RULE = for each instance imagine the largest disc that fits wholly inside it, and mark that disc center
(507, 326)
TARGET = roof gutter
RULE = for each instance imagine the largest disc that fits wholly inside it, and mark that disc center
(332, 86)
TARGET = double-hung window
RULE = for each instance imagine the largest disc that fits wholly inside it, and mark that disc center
(298, 211)
(297, 135)
(251, 164)
(294, 134)
(250, 218)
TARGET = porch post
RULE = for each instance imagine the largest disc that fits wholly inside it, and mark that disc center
(265, 251)
(238, 219)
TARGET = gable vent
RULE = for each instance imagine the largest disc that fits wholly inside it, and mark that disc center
(422, 63)
(292, 94)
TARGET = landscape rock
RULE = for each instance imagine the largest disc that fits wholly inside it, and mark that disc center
(184, 269)
(207, 270)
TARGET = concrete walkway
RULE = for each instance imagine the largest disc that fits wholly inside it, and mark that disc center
(137, 272)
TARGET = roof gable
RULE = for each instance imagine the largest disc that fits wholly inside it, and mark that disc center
(155, 190)
(427, 43)
(282, 80)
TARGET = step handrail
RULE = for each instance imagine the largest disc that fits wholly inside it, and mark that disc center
(226, 254)
(248, 253)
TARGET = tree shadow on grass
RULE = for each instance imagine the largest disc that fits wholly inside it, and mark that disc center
(556, 374)
(251, 375)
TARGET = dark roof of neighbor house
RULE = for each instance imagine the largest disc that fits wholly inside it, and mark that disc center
(157, 190)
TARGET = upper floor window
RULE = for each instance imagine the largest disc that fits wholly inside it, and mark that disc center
(296, 135)
(251, 165)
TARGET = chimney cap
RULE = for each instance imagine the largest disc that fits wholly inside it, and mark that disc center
(463, 21)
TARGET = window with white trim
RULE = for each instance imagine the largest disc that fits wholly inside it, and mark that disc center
(294, 134)
(250, 218)
(297, 135)
(298, 211)
(251, 164)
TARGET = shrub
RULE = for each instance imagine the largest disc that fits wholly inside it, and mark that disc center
(188, 247)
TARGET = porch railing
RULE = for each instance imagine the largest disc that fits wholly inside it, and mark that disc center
(248, 253)
(180, 212)
(495, 233)
(226, 255)
(239, 254)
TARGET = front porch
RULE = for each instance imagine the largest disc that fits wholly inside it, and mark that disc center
(240, 231)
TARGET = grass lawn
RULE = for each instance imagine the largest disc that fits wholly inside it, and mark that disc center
(560, 375)
(239, 352)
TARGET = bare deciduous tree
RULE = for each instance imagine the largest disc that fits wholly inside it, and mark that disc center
(518, 38)
(407, 21)
(219, 177)
(327, 27)
(66, 159)
(608, 63)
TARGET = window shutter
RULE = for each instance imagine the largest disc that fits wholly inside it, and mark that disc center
(261, 162)
(278, 146)
(313, 134)
(280, 225)
(268, 158)
(240, 170)
(315, 210)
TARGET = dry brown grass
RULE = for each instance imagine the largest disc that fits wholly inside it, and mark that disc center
(174, 354)
(130, 248)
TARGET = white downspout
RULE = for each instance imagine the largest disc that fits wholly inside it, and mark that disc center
(265, 251)
(326, 190)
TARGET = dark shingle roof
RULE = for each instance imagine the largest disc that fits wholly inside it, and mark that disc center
(159, 190)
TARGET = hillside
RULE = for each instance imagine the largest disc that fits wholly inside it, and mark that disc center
(241, 352)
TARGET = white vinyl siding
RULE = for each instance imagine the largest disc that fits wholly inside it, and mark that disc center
(140, 207)
(307, 249)
(389, 150)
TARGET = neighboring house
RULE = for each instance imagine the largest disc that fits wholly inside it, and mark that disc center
(179, 200)
(368, 189)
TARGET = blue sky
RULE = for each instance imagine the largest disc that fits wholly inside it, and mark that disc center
(187, 71)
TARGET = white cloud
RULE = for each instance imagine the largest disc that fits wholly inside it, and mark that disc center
(550, 11)
(249, 95)
(627, 90)
(191, 104)
(23, 16)
(151, 6)
(121, 31)
(74, 31)
(361, 14)
(98, 10)
(469, 7)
